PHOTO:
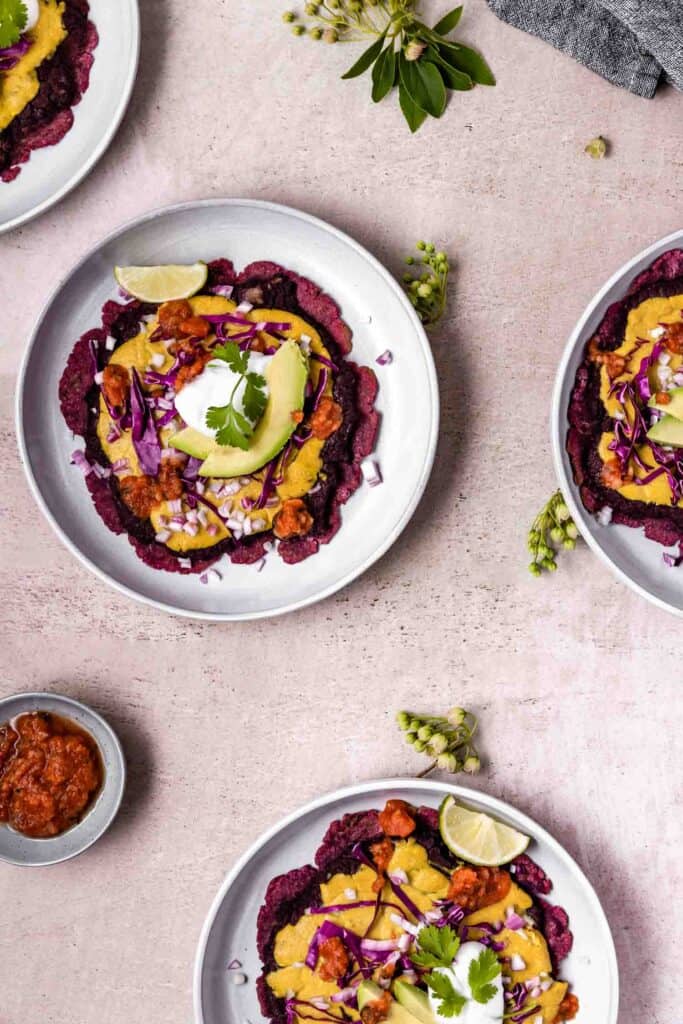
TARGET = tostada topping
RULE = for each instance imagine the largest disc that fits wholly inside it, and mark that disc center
(376, 931)
(215, 425)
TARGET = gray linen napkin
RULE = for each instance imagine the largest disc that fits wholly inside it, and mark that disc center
(632, 43)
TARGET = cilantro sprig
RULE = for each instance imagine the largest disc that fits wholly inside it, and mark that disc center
(437, 952)
(13, 18)
(232, 426)
(482, 972)
(438, 947)
(451, 1001)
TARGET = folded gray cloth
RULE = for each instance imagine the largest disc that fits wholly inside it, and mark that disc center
(633, 43)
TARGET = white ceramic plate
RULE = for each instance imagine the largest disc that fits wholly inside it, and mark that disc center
(636, 560)
(380, 316)
(52, 172)
(230, 928)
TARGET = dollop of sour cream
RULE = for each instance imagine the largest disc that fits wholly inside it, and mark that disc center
(472, 1012)
(214, 386)
(32, 14)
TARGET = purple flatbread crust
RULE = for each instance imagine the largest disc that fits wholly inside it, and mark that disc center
(355, 389)
(63, 78)
(289, 896)
(588, 419)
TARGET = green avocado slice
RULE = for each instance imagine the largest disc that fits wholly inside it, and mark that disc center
(286, 376)
(674, 407)
(368, 990)
(415, 1001)
(667, 431)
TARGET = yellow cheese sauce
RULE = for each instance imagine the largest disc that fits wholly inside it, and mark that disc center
(20, 84)
(302, 470)
(425, 885)
(638, 343)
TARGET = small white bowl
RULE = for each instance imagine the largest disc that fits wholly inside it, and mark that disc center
(27, 852)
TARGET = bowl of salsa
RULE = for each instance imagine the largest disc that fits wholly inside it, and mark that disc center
(62, 775)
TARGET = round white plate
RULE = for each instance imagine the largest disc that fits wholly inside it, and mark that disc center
(636, 560)
(380, 316)
(54, 171)
(230, 928)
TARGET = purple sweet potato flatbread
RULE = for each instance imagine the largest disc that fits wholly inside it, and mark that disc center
(588, 419)
(63, 79)
(355, 389)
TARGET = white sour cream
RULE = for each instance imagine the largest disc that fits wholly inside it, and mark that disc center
(33, 13)
(214, 386)
(472, 1012)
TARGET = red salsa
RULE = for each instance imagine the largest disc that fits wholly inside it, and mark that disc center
(50, 772)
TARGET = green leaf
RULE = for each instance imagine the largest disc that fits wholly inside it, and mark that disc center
(366, 58)
(452, 1001)
(383, 74)
(482, 972)
(413, 83)
(453, 78)
(412, 113)
(438, 947)
(434, 89)
(254, 399)
(13, 17)
(448, 22)
(467, 60)
(231, 354)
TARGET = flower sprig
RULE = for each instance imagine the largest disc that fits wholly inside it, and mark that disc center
(427, 290)
(552, 528)
(423, 62)
(448, 739)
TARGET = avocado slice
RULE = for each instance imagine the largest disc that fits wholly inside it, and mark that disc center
(415, 1001)
(368, 990)
(286, 375)
(667, 431)
(674, 407)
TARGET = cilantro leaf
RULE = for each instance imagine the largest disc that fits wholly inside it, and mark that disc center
(232, 427)
(482, 972)
(231, 353)
(254, 399)
(452, 1001)
(13, 17)
(438, 947)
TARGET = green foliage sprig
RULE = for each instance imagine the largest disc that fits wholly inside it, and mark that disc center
(427, 290)
(422, 62)
(448, 739)
(232, 426)
(552, 528)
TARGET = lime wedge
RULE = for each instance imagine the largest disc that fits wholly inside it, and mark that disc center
(478, 838)
(161, 284)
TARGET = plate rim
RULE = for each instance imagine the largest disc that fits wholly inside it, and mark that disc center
(558, 420)
(122, 768)
(465, 793)
(100, 149)
(418, 491)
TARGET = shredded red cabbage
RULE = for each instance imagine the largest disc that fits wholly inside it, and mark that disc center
(145, 440)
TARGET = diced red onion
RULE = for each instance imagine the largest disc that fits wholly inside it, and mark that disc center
(385, 358)
(244, 307)
(99, 377)
(79, 459)
(175, 506)
(162, 536)
(371, 472)
(110, 344)
(120, 465)
(212, 529)
(222, 289)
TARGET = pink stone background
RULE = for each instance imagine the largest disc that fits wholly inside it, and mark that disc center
(576, 680)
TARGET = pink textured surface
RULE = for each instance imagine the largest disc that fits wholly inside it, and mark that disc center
(576, 680)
